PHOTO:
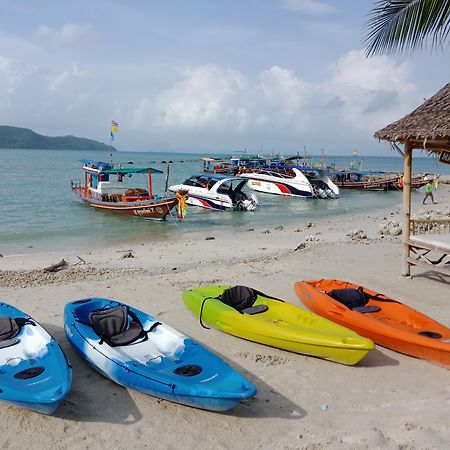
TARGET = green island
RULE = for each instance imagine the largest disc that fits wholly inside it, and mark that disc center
(24, 138)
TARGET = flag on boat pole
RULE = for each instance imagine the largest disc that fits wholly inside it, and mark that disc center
(114, 129)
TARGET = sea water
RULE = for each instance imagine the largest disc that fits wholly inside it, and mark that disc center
(39, 212)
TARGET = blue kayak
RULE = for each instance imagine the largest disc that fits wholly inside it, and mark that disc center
(138, 352)
(34, 371)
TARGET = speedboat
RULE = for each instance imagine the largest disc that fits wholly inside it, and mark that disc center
(217, 192)
(296, 181)
(290, 182)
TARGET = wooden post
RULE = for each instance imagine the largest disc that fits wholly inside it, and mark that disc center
(150, 187)
(407, 175)
(166, 186)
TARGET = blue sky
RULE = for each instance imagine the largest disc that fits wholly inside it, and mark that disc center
(207, 76)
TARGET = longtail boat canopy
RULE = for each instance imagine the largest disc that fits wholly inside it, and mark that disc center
(109, 169)
(127, 170)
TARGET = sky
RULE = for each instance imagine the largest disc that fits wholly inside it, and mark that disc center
(207, 76)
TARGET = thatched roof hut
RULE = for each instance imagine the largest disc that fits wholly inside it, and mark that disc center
(427, 127)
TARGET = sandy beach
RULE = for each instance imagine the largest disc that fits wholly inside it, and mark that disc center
(387, 401)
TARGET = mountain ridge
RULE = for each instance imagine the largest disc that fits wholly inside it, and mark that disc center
(24, 138)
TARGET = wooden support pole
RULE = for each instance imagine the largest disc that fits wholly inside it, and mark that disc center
(407, 175)
(150, 186)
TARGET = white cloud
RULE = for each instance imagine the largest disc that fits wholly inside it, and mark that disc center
(358, 96)
(204, 97)
(60, 79)
(210, 104)
(12, 73)
(371, 91)
(308, 7)
(283, 90)
(67, 35)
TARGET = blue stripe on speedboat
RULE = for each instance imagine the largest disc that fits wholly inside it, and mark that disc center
(211, 204)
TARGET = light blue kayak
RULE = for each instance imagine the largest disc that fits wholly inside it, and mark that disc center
(34, 372)
(138, 352)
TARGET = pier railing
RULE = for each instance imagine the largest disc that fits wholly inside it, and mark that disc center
(430, 226)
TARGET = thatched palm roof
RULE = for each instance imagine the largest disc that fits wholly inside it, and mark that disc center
(426, 127)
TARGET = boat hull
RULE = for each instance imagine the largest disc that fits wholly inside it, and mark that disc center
(279, 188)
(395, 325)
(283, 326)
(156, 209)
(392, 183)
(153, 366)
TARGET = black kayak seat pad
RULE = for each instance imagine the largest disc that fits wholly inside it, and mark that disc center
(367, 309)
(111, 325)
(257, 309)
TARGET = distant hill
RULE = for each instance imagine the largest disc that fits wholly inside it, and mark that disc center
(23, 138)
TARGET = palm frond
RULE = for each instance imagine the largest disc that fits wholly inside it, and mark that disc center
(406, 24)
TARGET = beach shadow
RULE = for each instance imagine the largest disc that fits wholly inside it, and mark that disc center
(92, 398)
(435, 276)
(267, 403)
(376, 358)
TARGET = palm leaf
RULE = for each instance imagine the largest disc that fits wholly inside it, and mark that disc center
(406, 24)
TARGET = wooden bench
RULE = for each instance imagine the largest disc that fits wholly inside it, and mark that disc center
(429, 244)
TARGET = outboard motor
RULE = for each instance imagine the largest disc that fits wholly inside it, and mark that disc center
(243, 203)
(330, 193)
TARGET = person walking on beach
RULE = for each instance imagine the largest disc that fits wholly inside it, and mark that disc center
(429, 192)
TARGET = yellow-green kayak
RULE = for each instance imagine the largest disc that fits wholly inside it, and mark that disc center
(278, 324)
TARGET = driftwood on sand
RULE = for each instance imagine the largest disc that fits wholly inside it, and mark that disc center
(55, 267)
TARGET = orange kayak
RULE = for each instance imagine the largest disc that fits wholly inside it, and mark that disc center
(386, 321)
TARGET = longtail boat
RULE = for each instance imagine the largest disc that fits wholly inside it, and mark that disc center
(375, 180)
(103, 188)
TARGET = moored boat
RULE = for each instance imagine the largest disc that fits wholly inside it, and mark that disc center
(217, 192)
(384, 320)
(270, 181)
(104, 189)
(295, 181)
(216, 165)
(373, 180)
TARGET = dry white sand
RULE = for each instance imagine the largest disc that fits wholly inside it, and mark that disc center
(387, 401)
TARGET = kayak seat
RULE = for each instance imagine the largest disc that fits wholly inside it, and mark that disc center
(351, 298)
(357, 299)
(112, 326)
(239, 297)
(242, 299)
(10, 328)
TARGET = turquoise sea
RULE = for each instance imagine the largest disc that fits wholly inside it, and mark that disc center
(39, 212)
